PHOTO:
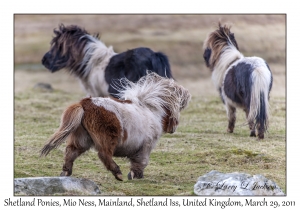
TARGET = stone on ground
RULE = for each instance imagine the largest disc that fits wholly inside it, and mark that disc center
(55, 185)
(217, 183)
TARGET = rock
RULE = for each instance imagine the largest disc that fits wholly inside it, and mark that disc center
(43, 87)
(55, 185)
(216, 183)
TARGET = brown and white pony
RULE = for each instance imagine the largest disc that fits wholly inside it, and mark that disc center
(126, 127)
(243, 82)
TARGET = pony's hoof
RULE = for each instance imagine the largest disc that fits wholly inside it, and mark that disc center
(135, 175)
(229, 130)
(260, 137)
(130, 175)
(64, 173)
(119, 177)
(252, 134)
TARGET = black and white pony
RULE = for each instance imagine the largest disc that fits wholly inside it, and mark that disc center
(243, 82)
(98, 67)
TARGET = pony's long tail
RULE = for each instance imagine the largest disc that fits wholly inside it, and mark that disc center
(70, 120)
(259, 101)
(161, 64)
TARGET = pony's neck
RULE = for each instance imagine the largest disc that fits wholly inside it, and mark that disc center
(228, 56)
(95, 53)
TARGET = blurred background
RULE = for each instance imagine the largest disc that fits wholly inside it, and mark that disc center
(180, 37)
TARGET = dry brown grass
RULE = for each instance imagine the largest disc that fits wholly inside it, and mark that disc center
(179, 36)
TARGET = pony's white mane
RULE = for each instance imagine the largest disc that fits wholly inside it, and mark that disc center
(228, 56)
(156, 93)
(95, 52)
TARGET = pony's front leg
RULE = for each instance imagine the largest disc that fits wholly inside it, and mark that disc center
(138, 163)
(137, 169)
(231, 113)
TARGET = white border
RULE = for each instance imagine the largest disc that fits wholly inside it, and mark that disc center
(9, 8)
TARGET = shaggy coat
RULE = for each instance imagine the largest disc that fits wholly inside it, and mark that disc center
(243, 82)
(126, 127)
(98, 67)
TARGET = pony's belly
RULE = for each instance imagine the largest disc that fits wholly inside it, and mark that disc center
(125, 151)
(234, 103)
(131, 146)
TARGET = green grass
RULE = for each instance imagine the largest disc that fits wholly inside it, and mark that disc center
(199, 146)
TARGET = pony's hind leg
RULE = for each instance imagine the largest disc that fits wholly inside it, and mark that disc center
(231, 113)
(105, 145)
(72, 153)
(251, 124)
(252, 128)
(105, 130)
(78, 143)
(110, 165)
(260, 131)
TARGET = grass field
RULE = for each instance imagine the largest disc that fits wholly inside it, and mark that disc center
(200, 144)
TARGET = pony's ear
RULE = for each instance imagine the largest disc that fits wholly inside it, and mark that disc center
(231, 36)
(206, 56)
(57, 32)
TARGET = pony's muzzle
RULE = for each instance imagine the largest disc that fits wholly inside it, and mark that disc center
(53, 63)
(172, 126)
(173, 130)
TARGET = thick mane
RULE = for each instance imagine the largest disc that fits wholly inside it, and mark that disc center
(81, 48)
(156, 93)
(218, 42)
(95, 52)
(67, 38)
